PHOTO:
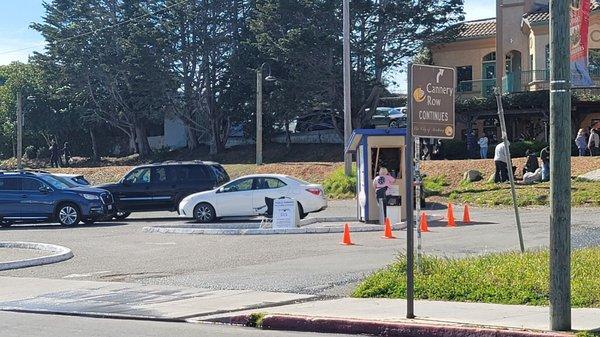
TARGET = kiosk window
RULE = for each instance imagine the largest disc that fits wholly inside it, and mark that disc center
(390, 158)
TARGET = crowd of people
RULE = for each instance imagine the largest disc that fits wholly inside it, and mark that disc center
(57, 154)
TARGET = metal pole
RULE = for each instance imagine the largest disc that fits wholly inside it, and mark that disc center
(19, 131)
(499, 47)
(511, 176)
(347, 92)
(410, 244)
(259, 126)
(418, 197)
(560, 167)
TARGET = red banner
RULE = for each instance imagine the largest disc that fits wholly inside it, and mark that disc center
(580, 24)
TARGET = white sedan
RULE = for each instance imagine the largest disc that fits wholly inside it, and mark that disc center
(245, 197)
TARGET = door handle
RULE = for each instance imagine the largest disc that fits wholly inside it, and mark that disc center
(24, 196)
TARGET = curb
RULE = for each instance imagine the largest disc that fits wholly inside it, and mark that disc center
(258, 231)
(60, 254)
(391, 329)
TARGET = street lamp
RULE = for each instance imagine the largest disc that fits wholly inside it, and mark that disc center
(259, 101)
(20, 129)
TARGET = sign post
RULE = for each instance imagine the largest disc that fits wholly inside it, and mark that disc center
(432, 91)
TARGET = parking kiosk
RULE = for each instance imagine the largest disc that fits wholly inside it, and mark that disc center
(373, 149)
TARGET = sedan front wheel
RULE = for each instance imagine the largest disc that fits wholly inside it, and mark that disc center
(68, 215)
(204, 213)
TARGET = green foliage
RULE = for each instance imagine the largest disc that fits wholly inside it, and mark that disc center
(453, 149)
(506, 278)
(30, 152)
(338, 186)
(43, 153)
(434, 185)
(518, 149)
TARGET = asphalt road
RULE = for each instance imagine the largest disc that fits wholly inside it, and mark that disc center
(314, 264)
(37, 325)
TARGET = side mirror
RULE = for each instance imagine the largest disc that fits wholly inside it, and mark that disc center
(126, 182)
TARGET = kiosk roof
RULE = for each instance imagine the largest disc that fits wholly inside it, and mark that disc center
(358, 134)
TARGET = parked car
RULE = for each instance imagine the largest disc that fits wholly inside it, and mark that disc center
(160, 187)
(389, 117)
(245, 197)
(318, 120)
(41, 197)
(74, 178)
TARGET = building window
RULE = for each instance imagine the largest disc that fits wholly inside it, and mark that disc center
(464, 76)
(594, 62)
(547, 51)
(490, 57)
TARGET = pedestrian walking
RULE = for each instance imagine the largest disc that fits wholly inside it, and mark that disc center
(54, 154)
(532, 163)
(581, 142)
(471, 144)
(66, 151)
(483, 146)
(594, 143)
(382, 184)
(501, 161)
(545, 156)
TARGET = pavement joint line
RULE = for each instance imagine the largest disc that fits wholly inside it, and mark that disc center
(96, 315)
(60, 254)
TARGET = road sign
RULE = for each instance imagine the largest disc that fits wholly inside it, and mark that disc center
(432, 101)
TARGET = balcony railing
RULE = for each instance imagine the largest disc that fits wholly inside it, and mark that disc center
(522, 81)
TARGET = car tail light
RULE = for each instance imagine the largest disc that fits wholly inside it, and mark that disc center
(314, 191)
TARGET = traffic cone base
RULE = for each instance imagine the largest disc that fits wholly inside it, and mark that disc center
(387, 232)
(346, 241)
(450, 216)
(466, 215)
(423, 223)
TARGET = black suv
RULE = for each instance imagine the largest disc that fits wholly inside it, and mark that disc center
(160, 187)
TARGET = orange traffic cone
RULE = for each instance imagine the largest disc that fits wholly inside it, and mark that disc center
(423, 224)
(466, 215)
(387, 232)
(451, 222)
(346, 238)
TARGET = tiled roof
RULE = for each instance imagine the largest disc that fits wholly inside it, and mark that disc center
(487, 27)
(477, 29)
(544, 15)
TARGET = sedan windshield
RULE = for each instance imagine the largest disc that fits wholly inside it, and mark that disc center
(58, 182)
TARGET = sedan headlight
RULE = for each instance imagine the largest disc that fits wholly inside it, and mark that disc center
(90, 196)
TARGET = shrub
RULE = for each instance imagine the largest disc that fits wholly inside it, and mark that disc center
(453, 149)
(434, 185)
(338, 186)
(518, 149)
(30, 152)
(43, 153)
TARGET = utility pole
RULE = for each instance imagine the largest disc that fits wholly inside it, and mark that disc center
(499, 47)
(19, 131)
(560, 166)
(409, 180)
(347, 92)
(259, 126)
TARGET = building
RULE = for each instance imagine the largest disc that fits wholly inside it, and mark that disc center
(525, 28)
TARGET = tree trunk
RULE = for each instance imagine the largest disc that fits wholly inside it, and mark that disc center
(192, 139)
(143, 146)
(95, 154)
(288, 137)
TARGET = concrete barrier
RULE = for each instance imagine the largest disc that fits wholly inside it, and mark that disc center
(58, 254)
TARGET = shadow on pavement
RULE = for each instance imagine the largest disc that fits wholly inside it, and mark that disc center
(444, 223)
(20, 227)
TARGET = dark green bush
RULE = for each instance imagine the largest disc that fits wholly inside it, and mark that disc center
(453, 149)
(338, 186)
(43, 153)
(30, 152)
(518, 149)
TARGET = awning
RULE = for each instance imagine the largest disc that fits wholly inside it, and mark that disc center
(358, 134)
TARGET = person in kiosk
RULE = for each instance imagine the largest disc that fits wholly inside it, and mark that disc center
(382, 184)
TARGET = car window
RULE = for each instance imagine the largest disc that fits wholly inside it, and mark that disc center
(10, 184)
(220, 174)
(239, 185)
(268, 183)
(29, 184)
(57, 182)
(139, 176)
(81, 180)
(162, 175)
(196, 172)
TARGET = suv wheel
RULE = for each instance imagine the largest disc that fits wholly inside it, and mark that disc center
(122, 215)
(204, 212)
(5, 224)
(68, 214)
(394, 124)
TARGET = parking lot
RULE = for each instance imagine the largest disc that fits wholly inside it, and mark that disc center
(311, 263)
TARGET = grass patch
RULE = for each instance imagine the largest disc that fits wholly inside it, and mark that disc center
(434, 185)
(256, 320)
(490, 194)
(339, 186)
(505, 278)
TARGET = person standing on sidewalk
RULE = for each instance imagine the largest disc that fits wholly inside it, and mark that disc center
(594, 143)
(581, 142)
(545, 156)
(483, 146)
(54, 154)
(501, 161)
(382, 184)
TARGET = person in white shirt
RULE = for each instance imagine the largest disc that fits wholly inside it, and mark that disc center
(483, 146)
(501, 161)
(594, 143)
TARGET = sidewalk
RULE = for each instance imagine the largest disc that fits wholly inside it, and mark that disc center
(438, 315)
